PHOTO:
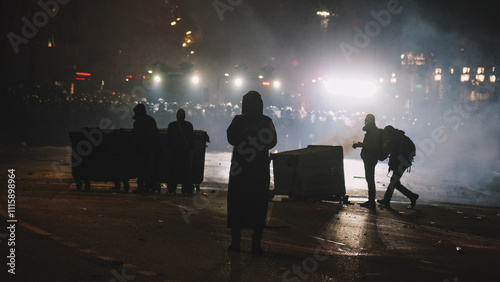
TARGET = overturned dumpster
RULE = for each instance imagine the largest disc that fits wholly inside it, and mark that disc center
(315, 172)
(105, 155)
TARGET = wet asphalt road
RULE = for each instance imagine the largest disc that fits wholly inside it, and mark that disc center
(62, 234)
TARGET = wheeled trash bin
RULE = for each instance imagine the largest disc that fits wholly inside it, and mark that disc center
(103, 155)
(315, 172)
(197, 163)
(111, 156)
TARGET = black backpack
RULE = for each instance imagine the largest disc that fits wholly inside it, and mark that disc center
(408, 149)
(396, 142)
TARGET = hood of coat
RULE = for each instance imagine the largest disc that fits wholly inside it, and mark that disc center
(139, 111)
(252, 104)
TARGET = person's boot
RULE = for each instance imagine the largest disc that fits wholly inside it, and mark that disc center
(384, 202)
(257, 250)
(234, 247)
(369, 204)
(256, 238)
(140, 186)
(235, 240)
(171, 189)
(413, 202)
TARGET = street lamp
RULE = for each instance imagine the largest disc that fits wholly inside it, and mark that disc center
(324, 20)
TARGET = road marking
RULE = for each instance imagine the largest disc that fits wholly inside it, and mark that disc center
(42, 232)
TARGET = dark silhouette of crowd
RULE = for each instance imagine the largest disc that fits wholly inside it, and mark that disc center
(45, 115)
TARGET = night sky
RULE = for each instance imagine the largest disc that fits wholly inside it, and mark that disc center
(113, 38)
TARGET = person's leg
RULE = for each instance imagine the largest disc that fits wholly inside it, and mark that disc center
(256, 239)
(141, 185)
(187, 188)
(394, 182)
(405, 191)
(235, 239)
(171, 187)
(397, 185)
(409, 194)
(370, 180)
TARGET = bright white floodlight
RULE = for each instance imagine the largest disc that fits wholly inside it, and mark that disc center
(354, 88)
(238, 82)
(195, 79)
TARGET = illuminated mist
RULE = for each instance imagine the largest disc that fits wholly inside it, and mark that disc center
(332, 74)
(457, 141)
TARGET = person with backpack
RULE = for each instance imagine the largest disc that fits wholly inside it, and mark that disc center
(371, 153)
(402, 152)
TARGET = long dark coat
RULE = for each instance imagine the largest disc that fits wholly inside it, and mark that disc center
(180, 138)
(146, 133)
(252, 134)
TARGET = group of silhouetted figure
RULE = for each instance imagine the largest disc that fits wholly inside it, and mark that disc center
(181, 144)
(377, 145)
(252, 134)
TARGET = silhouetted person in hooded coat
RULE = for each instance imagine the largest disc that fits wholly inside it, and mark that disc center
(180, 138)
(147, 135)
(252, 134)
